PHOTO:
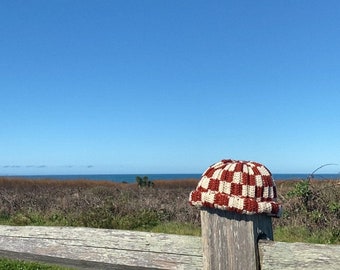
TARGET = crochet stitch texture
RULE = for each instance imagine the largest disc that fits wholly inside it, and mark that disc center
(245, 187)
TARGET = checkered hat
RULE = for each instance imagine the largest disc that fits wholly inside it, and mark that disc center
(244, 187)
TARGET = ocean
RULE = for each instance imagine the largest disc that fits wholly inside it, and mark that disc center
(131, 178)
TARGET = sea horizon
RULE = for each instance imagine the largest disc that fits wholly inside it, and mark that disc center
(130, 178)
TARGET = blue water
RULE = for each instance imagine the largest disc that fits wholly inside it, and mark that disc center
(131, 178)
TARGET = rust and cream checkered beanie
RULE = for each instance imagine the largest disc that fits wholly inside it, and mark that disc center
(244, 187)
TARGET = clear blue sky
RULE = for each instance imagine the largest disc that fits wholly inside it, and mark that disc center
(168, 86)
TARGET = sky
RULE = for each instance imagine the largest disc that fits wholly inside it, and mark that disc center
(113, 87)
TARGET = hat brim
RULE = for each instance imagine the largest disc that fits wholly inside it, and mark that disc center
(239, 204)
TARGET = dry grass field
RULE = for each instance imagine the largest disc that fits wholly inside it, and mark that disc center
(311, 208)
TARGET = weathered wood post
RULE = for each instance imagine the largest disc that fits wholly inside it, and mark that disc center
(237, 200)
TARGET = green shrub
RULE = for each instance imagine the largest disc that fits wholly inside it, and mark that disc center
(312, 210)
(302, 192)
(144, 182)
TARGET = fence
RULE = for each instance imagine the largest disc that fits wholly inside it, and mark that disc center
(88, 248)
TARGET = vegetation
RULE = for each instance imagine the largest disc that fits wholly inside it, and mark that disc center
(144, 182)
(96, 204)
(23, 265)
(311, 207)
(311, 212)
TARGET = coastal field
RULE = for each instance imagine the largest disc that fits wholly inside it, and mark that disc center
(311, 208)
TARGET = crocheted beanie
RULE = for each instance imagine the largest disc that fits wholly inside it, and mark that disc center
(244, 187)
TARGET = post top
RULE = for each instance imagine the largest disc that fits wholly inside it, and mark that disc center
(245, 187)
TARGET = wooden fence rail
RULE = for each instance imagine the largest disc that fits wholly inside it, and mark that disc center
(88, 248)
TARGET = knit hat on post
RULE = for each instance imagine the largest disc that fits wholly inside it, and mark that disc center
(245, 187)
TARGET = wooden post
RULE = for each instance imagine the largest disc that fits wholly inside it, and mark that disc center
(229, 239)
(227, 189)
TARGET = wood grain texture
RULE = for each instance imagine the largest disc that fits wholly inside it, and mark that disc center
(230, 239)
(297, 256)
(115, 247)
(87, 248)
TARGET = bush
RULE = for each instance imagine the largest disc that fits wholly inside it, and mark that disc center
(144, 182)
(313, 207)
(93, 204)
